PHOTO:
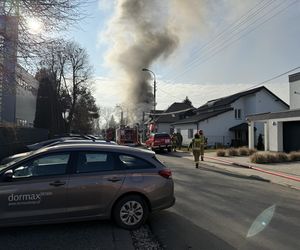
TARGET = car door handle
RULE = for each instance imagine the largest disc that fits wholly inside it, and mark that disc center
(114, 179)
(57, 183)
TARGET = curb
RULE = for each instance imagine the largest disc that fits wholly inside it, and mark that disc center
(249, 166)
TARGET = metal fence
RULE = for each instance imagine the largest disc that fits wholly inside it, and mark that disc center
(13, 140)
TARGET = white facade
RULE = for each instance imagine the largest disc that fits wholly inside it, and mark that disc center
(186, 135)
(216, 129)
(295, 94)
(280, 133)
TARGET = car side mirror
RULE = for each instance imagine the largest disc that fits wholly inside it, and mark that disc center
(8, 175)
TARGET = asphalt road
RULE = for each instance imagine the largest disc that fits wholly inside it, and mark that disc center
(100, 235)
(220, 210)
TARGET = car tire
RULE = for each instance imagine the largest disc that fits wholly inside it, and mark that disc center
(130, 212)
(169, 149)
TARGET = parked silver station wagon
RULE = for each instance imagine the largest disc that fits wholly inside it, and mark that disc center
(82, 182)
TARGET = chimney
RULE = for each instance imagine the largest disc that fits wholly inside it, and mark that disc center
(294, 81)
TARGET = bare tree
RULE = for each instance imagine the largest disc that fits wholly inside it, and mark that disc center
(54, 15)
(69, 65)
(105, 115)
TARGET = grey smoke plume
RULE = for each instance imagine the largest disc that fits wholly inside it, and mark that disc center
(142, 32)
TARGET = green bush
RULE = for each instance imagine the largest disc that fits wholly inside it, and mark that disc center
(233, 152)
(221, 152)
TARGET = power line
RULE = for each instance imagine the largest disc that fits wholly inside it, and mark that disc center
(220, 34)
(170, 113)
(224, 46)
(273, 78)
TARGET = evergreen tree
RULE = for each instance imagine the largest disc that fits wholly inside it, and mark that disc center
(48, 113)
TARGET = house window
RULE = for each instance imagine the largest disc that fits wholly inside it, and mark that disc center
(238, 114)
(190, 133)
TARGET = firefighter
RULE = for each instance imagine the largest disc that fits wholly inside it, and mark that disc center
(196, 148)
(174, 141)
(202, 143)
(179, 140)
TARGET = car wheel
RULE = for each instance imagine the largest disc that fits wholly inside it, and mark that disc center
(169, 149)
(131, 212)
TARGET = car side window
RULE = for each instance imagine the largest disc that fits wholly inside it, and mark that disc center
(131, 162)
(54, 164)
(94, 162)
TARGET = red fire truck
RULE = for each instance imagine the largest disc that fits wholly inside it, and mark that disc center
(127, 136)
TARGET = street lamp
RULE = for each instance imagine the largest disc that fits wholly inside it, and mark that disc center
(154, 94)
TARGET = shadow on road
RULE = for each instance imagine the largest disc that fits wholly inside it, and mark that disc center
(224, 172)
(79, 235)
(175, 232)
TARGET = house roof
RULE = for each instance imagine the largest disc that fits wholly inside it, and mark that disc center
(202, 116)
(294, 77)
(176, 106)
(227, 100)
(276, 115)
(241, 127)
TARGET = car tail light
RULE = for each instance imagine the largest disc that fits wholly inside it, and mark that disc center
(166, 173)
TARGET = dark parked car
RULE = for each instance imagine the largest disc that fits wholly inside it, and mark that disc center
(84, 181)
(159, 141)
(42, 144)
(63, 141)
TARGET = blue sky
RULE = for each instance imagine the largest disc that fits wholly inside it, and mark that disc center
(269, 50)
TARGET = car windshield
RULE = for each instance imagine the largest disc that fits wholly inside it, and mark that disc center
(205, 94)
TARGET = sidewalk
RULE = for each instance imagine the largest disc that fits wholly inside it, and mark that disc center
(287, 174)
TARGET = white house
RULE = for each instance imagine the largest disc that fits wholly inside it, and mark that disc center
(177, 111)
(281, 129)
(223, 120)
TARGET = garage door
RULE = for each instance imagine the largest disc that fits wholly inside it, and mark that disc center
(291, 135)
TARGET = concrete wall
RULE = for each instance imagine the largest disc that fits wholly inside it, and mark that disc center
(13, 140)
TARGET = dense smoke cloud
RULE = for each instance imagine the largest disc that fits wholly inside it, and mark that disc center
(141, 32)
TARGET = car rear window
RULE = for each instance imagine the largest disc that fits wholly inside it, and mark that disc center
(132, 162)
(162, 136)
